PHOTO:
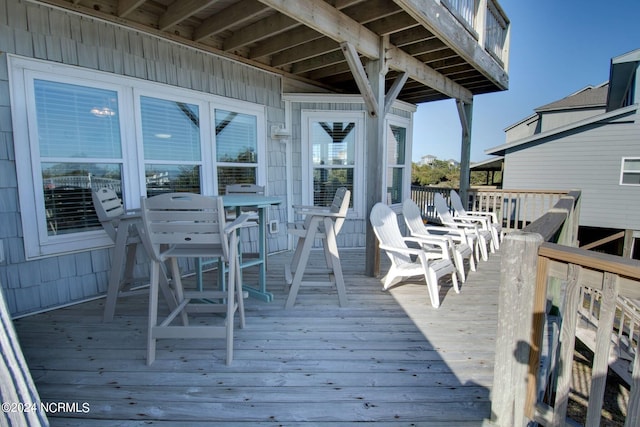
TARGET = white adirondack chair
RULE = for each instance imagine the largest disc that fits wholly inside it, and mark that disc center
(177, 225)
(492, 219)
(407, 261)
(469, 227)
(457, 239)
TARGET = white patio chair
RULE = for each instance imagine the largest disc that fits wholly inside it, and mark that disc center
(493, 223)
(244, 189)
(122, 227)
(230, 216)
(177, 225)
(470, 227)
(323, 223)
(457, 239)
(406, 261)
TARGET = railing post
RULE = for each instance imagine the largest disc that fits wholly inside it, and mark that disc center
(515, 318)
(481, 22)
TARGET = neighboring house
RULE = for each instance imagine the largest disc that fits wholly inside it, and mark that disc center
(589, 141)
(427, 160)
(147, 97)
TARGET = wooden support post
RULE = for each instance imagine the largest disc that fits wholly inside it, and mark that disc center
(374, 161)
(465, 111)
(515, 316)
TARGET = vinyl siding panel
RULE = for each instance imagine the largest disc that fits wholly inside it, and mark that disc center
(553, 120)
(588, 160)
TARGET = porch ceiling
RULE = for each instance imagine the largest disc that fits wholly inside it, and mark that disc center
(302, 40)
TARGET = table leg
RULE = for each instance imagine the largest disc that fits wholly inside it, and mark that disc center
(261, 291)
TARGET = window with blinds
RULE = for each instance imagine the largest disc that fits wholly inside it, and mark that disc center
(79, 140)
(81, 129)
(172, 149)
(236, 148)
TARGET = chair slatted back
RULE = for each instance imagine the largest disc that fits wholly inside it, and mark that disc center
(244, 189)
(340, 205)
(412, 217)
(456, 203)
(183, 220)
(108, 208)
(385, 225)
(442, 208)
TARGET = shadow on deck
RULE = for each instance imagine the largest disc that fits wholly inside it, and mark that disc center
(389, 357)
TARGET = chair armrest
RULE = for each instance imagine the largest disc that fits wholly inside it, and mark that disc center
(444, 243)
(492, 215)
(453, 233)
(405, 251)
(484, 222)
(461, 224)
(237, 223)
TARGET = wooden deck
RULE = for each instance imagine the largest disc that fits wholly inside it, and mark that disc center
(389, 357)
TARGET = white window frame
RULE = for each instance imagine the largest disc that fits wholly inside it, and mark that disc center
(406, 176)
(358, 194)
(22, 71)
(623, 171)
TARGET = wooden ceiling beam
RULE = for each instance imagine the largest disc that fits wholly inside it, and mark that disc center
(261, 30)
(293, 37)
(410, 36)
(284, 41)
(178, 11)
(233, 15)
(304, 51)
(325, 19)
(125, 7)
(391, 24)
(318, 62)
(425, 47)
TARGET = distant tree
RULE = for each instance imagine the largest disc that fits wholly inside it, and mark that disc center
(439, 173)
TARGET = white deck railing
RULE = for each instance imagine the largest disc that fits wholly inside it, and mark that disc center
(486, 21)
(516, 208)
(542, 268)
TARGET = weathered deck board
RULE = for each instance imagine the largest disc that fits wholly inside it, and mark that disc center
(388, 357)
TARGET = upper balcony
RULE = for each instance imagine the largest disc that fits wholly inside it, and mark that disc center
(448, 48)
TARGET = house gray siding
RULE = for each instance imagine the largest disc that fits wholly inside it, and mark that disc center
(44, 33)
(589, 159)
(555, 119)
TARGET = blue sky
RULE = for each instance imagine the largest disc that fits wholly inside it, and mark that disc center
(557, 47)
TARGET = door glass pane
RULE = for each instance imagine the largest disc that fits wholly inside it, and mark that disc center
(327, 181)
(77, 121)
(170, 129)
(333, 158)
(333, 143)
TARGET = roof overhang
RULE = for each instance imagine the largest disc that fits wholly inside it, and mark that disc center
(301, 40)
